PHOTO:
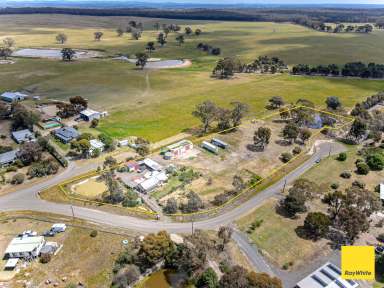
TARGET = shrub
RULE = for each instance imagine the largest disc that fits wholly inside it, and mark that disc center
(93, 233)
(335, 186)
(342, 156)
(18, 178)
(346, 175)
(296, 150)
(375, 161)
(286, 157)
(362, 168)
(45, 258)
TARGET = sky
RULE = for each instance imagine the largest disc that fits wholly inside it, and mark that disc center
(381, 2)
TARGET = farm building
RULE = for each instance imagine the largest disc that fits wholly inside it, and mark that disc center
(210, 147)
(179, 149)
(12, 97)
(23, 136)
(327, 276)
(96, 144)
(25, 247)
(66, 134)
(219, 143)
(8, 157)
(151, 165)
(89, 114)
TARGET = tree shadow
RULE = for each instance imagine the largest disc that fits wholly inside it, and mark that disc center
(283, 142)
(255, 148)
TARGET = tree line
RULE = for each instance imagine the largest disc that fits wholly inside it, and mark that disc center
(227, 67)
(298, 16)
(352, 69)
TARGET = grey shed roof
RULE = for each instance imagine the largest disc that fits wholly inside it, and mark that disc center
(66, 133)
(23, 135)
(8, 157)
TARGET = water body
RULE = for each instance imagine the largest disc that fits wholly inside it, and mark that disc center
(163, 64)
(51, 53)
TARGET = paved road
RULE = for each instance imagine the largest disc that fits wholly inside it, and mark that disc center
(27, 199)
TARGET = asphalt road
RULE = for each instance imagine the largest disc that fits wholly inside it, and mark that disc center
(27, 199)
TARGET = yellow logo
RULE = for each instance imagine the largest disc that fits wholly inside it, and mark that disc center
(358, 262)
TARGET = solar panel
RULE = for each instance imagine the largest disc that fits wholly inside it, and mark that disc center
(334, 268)
(351, 282)
(318, 280)
(341, 285)
(329, 275)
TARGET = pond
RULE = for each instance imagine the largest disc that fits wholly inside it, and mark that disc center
(164, 279)
(163, 64)
(156, 63)
(157, 280)
(51, 53)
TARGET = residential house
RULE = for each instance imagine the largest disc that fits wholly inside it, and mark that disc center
(66, 134)
(8, 158)
(96, 144)
(23, 136)
(25, 247)
(13, 97)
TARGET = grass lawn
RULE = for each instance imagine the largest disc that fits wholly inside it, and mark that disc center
(158, 104)
(276, 236)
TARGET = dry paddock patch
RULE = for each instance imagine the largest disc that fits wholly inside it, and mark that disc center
(277, 239)
(82, 258)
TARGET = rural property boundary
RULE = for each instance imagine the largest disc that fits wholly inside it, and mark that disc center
(181, 217)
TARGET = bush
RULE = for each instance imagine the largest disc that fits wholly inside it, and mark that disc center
(346, 175)
(362, 168)
(296, 150)
(18, 178)
(375, 161)
(335, 186)
(93, 233)
(45, 258)
(286, 157)
(342, 156)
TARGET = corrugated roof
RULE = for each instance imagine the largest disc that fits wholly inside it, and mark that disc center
(23, 135)
(24, 244)
(8, 157)
(89, 112)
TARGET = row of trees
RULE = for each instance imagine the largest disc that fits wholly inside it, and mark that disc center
(208, 113)
(353, 69)
(227, 67)
(338, 28)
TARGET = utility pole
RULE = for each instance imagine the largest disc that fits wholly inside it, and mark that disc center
(330, 150)
(285, 184)
(73, 213)
(192, 226)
